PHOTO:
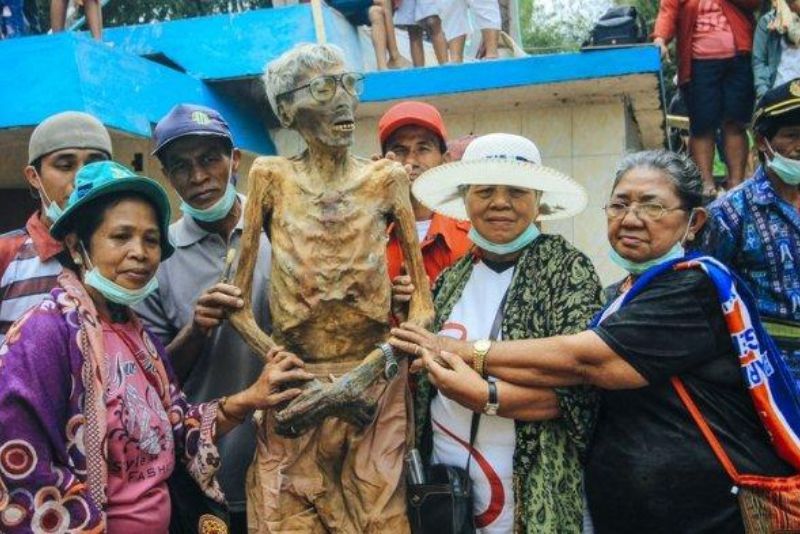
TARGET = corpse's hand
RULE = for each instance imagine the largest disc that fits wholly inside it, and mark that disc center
(455, 379)
(391, 156)
(413, 339)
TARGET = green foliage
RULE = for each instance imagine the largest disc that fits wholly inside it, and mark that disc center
(127, 12)
(558, 25)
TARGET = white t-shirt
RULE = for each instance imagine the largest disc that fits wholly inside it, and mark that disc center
(492, 466)
(422, 229)
(789, 65)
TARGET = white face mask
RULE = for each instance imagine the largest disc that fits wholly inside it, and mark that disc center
(113, 291)
(787, 169)
(52, 210)
(637, 268)
(220, 209)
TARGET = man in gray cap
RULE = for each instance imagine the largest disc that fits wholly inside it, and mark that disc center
(29, 266)
(198, 156)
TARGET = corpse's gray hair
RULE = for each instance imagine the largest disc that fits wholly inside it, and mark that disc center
(283, 74)
(678, 168)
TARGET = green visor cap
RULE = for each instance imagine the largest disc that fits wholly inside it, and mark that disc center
(108, 179)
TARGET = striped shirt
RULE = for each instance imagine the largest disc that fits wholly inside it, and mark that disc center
(28, 268)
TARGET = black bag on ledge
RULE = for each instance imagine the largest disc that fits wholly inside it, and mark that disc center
(619, 25)
(443, 505)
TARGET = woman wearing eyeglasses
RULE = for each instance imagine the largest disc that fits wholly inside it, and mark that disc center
(649, 468)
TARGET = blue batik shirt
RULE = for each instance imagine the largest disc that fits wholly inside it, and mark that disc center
(757, 233)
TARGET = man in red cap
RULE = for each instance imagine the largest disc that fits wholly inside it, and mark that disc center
(414, 132)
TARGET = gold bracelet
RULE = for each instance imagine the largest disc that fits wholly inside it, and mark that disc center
(478, 362)
(221, 406)
(479, 351)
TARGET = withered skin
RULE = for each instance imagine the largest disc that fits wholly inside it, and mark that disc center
(332, 460)
(326, 213)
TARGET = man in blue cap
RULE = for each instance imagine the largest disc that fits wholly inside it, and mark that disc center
(198, 156)
(756, 227)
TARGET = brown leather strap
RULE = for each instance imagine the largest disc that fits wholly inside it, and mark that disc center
(712, 440)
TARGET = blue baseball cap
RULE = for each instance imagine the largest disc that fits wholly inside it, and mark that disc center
(189, 119)
(107, 179)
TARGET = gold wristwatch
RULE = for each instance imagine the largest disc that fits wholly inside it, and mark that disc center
(479, 351)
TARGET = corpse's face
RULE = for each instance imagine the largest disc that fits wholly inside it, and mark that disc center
(326, 117)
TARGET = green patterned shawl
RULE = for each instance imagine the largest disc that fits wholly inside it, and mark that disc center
(555, 291)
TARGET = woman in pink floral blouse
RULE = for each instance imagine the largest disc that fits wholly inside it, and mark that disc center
(91, 419)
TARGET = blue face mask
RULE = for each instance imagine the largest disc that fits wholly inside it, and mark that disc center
(115, 292)
(787, 169)
(52, 211)
(220, 209)
(637, 268)
(216, 212)
(523, 240)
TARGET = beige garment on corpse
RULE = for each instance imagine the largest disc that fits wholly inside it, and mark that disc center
(335, 478)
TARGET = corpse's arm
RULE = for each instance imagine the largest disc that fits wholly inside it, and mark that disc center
(259, 206)
(421, 310)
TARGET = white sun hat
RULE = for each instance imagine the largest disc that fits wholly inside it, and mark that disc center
(500, 159)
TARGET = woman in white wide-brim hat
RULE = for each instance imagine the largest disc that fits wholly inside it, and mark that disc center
(516, 284)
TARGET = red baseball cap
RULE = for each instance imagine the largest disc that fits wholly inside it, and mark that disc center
(411, 113)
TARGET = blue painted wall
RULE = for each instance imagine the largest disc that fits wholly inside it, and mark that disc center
(47, 74)
(233, 46)
(519, 72)
(125, 91)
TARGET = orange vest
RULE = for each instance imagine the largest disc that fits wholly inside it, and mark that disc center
(445, 243)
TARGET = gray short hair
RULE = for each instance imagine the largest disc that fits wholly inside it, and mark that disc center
(679, 169)
(282, 74)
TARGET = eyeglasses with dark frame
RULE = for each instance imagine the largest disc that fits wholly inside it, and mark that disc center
(323, 88)
(651, 211)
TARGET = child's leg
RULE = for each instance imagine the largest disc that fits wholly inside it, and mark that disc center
(487, 18)
(456, 49)
(405, 17)
(94, 17)
(377, 24)
(433, 25)
(490, 43)
(415, 43)
(58, 15)
(455, 26)
(396, 61)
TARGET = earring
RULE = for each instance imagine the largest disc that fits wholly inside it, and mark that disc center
(77, 260)
(690, 236)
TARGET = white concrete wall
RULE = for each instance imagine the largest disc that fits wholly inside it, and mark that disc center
(583, 141)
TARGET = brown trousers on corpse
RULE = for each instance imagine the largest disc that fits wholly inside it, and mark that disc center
(335, 478)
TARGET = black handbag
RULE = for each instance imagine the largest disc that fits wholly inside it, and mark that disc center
(443, 504)
(619, 25)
